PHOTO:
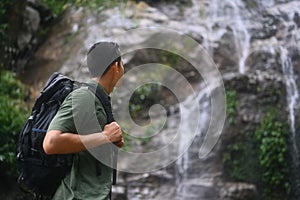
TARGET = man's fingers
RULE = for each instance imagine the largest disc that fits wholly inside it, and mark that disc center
(114, 132)
(113, 126)
(120, 143)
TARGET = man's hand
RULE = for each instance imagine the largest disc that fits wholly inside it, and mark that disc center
(113, 133)
(120, 143)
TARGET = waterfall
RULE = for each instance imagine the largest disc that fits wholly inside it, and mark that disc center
(227, 13)
(242, 43)
(195, 177)
(293, 100)
(190, 186)
(292, 94)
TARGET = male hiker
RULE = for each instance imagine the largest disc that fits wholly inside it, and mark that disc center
(81, 125)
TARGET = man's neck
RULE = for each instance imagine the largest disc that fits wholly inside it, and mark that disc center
(105, 84)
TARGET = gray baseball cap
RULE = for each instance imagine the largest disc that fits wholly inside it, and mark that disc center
(100, 56)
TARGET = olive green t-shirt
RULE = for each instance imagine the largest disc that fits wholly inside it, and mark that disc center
(89, 179)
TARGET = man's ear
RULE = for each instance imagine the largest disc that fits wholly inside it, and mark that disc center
(116, 66)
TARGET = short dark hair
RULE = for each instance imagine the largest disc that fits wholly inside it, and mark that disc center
(118, 60)
(101, 56)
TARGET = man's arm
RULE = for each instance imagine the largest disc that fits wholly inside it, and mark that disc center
(56, 142)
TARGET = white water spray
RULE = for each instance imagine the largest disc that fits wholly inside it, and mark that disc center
(292, 96)
(227, 13)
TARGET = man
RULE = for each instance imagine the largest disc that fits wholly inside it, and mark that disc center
(83, 114)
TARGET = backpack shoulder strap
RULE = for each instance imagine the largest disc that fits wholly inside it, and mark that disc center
(105, 100)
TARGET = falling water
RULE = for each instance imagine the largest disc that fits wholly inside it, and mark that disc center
(189, 186)
(293, 100)
(228, 13)
(242, 39)
(292, 93)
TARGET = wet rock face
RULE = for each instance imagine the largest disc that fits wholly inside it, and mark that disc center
(156, 185)
(239, 191)
(27, 20)
(31, 23)
(223, 53)
(158, 2)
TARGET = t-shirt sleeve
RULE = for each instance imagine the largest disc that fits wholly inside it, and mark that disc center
(63, 120)
(80, 113)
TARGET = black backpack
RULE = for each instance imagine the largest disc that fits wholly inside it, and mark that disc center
(40, 173)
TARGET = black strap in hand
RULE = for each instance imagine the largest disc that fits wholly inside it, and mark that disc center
(105, 100)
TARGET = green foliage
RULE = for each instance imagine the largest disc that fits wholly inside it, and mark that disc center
(142, 99)
(262, 158)
(273, 156)
(4, 8)
(172, 59)
(140, 102)
(12, 117)
(240, 160)
(131, 142)
(97, 5)
(58, 7)
(12, 88)
(4, 25)
(231, 105)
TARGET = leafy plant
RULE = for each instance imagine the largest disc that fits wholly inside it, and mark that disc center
(273, 156)
(4, 25)
(231, 105)
(12, 117)
(58, 7)
(262, 157)
(4, 8)
(142, 99)
(241, 160)
(131, 142)
(11, 87)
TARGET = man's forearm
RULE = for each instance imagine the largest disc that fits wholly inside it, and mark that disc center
(56, 142)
